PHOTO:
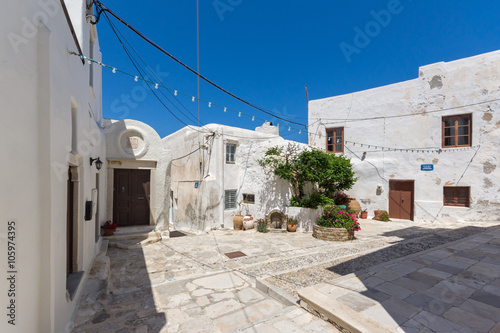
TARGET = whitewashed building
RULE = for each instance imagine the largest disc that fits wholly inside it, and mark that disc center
(215, 174)
(51, 193)
(424, 149)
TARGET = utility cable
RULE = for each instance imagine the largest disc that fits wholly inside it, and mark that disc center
(102, 8)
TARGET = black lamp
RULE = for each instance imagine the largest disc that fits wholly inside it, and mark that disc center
(98, 162)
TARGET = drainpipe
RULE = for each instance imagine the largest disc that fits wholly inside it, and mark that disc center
(222, 173)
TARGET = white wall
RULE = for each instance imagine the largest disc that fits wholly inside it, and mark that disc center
(202, 208)
(40, 85)
(150, 154)
(442, 89)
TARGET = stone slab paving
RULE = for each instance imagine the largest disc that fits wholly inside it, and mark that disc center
(452, 288)
(187, 284)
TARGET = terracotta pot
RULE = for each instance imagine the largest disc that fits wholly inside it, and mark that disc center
(355, 206)
(363, 215)
(108, 232)
(377, 214)
(292, 227)
(238, 222)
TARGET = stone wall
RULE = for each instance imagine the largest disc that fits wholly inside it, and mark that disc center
(332, 234)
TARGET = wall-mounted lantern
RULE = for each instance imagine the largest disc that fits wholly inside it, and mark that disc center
(98, 163)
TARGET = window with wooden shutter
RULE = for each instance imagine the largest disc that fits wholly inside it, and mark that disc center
(456, 196)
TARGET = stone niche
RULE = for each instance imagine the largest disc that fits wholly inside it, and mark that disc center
(276, 221)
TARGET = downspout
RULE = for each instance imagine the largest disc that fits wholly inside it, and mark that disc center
(223, 175)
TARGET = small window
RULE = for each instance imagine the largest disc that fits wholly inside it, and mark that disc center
(457, 131)
(248, 198)
(230, 199)
(230, 153)
(335, 140)
(456, 196)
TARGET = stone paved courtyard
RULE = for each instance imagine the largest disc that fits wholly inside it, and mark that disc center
(188, 284)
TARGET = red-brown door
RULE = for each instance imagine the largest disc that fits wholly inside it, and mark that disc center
(401, 199)
(131, 197)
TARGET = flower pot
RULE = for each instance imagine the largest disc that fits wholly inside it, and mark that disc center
(237, 222)
(363, 215)
(292, 227)
(108, 232)
(377, 214)
(248, 222)
(355, 206)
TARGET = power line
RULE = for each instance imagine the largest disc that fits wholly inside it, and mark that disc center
(338, 121)
(143, 79)
(114, 27)
(102, 8)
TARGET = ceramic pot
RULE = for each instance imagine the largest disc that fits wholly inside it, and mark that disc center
(292, 227)
(377, 214)
(238, 222)
(248, 222)
(363, 215)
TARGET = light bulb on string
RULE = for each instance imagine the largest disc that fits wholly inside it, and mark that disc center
(300, 131)
(114, 70)
(192, 99)
(288, 129)
(253, 118)
(209, 104)
(136, 79)
(225, 109)
(156, 86)
(239, 114)
(175, 92)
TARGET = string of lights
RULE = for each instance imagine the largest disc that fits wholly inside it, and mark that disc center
(158, 85)
(253, 117)
(102, 8)
(410, 150)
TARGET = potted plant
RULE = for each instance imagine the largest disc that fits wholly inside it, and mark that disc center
(363, 214)
(109, 228)
(335, 224)
(292, 224)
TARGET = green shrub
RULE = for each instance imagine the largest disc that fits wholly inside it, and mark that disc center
(334, 217)
(291, 220)
(261, 225)
(384, 216)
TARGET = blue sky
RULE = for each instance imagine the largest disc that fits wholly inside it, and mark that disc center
(267, 51)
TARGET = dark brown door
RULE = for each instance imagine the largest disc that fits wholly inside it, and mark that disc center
(401, 199)
(131, 197)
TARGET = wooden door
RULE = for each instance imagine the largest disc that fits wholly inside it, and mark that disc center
(131, 197)
(401, 198)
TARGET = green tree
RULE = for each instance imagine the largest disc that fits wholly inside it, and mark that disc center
(331, 173)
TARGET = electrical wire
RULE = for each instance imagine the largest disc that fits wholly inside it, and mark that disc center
(102, 8)
(114, 27)
(142, 76)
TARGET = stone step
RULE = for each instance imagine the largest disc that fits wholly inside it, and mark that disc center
(317, 302)
(139, 234)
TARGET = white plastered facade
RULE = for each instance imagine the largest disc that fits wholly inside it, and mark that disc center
(405, 119)
(51, 110)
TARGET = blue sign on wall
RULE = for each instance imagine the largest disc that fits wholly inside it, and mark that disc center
(196, 185)
(427, 167)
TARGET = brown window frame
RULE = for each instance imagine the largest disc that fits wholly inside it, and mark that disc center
(455, 128)
(453, 199)
(333, 145)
